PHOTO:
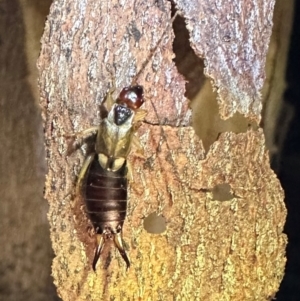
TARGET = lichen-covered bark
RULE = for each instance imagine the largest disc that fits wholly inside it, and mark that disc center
(217, 245)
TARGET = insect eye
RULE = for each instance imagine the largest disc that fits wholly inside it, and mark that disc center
(132, 97)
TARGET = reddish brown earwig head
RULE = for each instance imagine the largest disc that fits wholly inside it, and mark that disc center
(131, 97)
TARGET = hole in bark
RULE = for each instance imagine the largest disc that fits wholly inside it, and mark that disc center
(221, 192)
(187, 62)
(205, 117)
(155, 224)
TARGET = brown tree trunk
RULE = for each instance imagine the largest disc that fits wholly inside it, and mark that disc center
(222, 204)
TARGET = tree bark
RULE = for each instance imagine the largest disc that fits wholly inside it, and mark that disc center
(222, 204)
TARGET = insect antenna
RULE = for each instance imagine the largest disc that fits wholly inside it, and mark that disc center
(148, 59)
(164, 138)
(145, 63)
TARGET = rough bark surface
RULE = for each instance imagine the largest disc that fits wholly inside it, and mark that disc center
(224, 211)
(233, 38)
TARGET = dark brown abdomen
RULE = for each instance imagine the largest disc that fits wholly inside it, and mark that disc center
(105, 194)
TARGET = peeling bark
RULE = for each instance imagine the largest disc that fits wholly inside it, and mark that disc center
(230, 249)
(233, 38)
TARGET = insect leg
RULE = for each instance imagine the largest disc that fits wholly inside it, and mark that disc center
(79, 138)
(119, 244)
(82, 173)
(100, 241)
(139, 115)
(129, 175)
(139, 152)
(85, 133)
(136, 144)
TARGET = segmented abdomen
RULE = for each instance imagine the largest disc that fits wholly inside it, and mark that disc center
(105, 194)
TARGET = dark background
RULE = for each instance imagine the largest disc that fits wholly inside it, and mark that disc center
(289, 170)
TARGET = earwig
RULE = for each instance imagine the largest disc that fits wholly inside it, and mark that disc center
(103, 177)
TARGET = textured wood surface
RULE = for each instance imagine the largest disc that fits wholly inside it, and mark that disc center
(233, 39)
(223, 209)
